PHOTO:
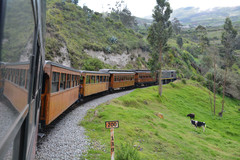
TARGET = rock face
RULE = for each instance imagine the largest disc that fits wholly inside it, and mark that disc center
(64, 58)
(119, 60)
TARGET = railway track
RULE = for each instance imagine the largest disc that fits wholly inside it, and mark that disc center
(64, 138)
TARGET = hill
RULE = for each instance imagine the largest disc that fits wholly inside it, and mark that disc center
(73, 31)
(213, 17)
(172, 137)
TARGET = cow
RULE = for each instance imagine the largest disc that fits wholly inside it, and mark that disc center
(191, 115)
(199, 124)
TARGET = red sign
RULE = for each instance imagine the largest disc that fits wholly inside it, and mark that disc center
(111, 124)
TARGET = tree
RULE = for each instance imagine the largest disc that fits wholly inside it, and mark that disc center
(159, 32)
(75, 2)
(121, 13)
(202, 36)
(228, 41)
(176, 26)
(179, 41)
(127, 18)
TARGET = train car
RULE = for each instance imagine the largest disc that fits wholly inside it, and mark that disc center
(16, 83)
(168, 76)
(120, 79)
(22, 25)
(93, 82)
(144, 78)
(61, 90)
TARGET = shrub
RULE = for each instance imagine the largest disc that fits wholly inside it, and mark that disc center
(172, 84)
(200, 78)
(184, 81)
(127, 152)
(193, 77)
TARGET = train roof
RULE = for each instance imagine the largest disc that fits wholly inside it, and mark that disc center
(62, 66)
(168, 70)
(16, 63)
(116, 71)
(142, 71)
(93, 72)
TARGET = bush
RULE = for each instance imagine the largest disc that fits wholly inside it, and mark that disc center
(127, 152)
(200, 78)
(184, 81)
(193, 77)
(172, 84)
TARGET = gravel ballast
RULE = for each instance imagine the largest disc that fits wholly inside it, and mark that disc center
(66, 139)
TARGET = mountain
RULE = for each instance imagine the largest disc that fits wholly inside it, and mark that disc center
(84, 39)
(212, 17)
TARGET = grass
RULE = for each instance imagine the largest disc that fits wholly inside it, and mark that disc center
(80, 28)
(172, 137)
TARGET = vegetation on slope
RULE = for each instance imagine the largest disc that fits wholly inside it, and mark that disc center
(81, 28)
(172, 137)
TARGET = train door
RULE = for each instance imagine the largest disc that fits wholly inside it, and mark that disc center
(44, 97)
(82, 86)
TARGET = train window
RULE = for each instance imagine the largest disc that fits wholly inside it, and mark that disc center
(27, 82)
(63, 81)
(16, 76)
(101, 79)
(68, 80)
(92, 79)
(77, 79)
(9, 74)
(22, 77)
(104, 78)
(55, 82)
(97, 79)
(73, 79)
(81, 79)
(12, 75)
(88, 80)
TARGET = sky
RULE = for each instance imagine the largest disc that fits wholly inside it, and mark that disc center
(143, 8)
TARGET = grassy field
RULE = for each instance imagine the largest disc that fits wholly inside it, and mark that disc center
(172, 137)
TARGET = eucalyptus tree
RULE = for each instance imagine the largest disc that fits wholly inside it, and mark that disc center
(180, 41)
(177, 26)
(202, 35)
(158, 34)
(228, 41)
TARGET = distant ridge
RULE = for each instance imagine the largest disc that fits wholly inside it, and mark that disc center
(211, 17)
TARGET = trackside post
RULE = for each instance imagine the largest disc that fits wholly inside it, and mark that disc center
(111, 125)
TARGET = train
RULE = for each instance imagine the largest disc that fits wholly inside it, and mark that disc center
(34, 92)
(63, 86)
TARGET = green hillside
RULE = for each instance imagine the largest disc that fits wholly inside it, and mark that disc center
(172, 137)
(81, 28)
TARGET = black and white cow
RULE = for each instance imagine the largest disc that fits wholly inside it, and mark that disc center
(199, 124)
(191, 115)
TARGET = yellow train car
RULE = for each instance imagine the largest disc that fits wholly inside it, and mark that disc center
(93, 82)
(16, 84)
(120, 79)
(144, 78)
(61, 90)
